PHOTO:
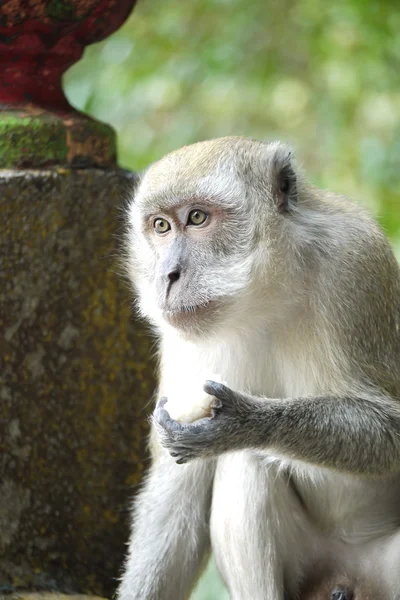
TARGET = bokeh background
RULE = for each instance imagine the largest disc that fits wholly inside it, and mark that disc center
(323, 76)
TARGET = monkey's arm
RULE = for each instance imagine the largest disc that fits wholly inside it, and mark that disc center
(170, 532)
(356, 433)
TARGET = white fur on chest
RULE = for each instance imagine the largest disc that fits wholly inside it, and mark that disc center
(242, 369)
(250, 362)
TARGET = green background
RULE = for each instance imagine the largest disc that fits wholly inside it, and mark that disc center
(321, 76)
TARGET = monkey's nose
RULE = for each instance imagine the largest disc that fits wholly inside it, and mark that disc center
(174, 275)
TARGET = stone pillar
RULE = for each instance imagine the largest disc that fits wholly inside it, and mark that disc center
(75, 368)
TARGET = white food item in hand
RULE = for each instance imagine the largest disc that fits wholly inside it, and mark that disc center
(192, 409)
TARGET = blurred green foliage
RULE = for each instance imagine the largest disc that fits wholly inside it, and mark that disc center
(323, 76)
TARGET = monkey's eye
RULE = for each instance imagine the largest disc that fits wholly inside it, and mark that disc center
(196, 217)
(161, 225)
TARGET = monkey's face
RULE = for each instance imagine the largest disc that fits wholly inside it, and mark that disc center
(196, 230)
(193, 272)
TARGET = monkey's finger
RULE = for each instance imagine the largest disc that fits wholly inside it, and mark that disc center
(216, 407)
(164, 420)
(219, 390)
(160, 413)
(161, 402)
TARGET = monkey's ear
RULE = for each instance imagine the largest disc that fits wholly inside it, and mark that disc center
(286, 182)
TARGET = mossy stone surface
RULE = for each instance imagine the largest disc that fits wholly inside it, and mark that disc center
(76, 377)
(35, 139)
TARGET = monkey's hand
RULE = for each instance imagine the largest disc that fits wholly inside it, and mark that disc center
(224, 431)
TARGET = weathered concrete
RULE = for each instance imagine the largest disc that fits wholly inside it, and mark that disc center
(75, 380)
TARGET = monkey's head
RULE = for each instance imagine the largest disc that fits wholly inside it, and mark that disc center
(205, 232)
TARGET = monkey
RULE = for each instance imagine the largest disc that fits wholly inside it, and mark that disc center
(291, 294)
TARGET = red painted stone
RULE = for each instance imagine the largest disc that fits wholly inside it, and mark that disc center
(40, 39)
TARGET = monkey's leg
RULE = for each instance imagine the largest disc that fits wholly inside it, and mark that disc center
(170, 532)
(256, 528)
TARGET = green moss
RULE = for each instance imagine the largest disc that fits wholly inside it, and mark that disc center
(31, 141)
(35, 141)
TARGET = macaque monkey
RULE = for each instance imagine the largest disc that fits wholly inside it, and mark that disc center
(291, 459)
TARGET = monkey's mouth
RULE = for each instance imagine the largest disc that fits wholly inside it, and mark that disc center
(185, 313)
